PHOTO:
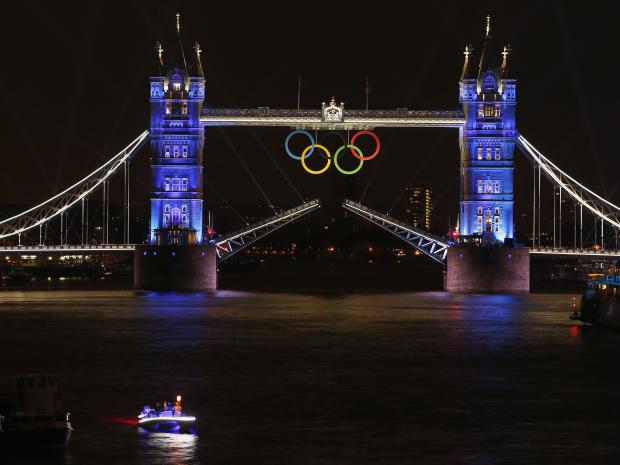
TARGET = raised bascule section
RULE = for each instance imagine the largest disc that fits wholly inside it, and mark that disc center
(179, 255)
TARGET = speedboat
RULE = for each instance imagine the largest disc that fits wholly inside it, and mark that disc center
(170, 418)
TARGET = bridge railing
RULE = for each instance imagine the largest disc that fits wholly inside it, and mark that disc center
(69, 248)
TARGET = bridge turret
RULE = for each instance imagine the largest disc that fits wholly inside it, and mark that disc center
(487, 145)
(177, 141)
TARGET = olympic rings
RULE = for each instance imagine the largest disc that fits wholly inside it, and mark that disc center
(353, 149)
(303, 159)
(288, 138)
(309, 150)
(374, 154)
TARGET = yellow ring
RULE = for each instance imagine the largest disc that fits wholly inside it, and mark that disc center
(303, 159)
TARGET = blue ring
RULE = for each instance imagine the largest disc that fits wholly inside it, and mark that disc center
(288, 138)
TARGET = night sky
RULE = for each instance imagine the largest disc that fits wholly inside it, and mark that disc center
(74, 89)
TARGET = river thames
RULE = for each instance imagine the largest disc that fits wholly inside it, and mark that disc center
(381, 378)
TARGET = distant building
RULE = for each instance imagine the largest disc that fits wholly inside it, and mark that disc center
(418, 206)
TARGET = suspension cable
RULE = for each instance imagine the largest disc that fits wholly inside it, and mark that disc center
(277, 165)
(247, 169)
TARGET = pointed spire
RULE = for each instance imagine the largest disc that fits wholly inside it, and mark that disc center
(159, 59)
(197, 61)
(505, 54)
(483, 65)
(466, 71)
(178, 56)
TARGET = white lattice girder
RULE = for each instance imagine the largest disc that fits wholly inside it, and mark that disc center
(230, 244)
(426, 242)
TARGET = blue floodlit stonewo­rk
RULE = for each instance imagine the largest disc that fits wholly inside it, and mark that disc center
(487, 142)
(176, 257)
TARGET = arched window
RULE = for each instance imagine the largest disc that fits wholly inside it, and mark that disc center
(489, 85)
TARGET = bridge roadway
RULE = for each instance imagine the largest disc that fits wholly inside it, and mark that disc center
(313, 119)
(108, 248)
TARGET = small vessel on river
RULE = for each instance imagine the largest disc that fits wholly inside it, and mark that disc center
(31, 412)
(168, 418)
(600, 303)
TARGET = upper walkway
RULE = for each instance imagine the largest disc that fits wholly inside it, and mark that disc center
(314, 119)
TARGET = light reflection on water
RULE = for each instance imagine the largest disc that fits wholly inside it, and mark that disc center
(170, 448)
(375, 379)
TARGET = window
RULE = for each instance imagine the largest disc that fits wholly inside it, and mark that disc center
(488, 153)
(479, 153)
(498, 153)
(184, 109)
(498, 187)
(167, 108)
(166, 208)
(176, 151)
(176, 86)
(479, 186)
(491, 110)
(480, 110)
(176, 184)
(488, 187)
(176, 216)
(184, 208)
(488, 225)
(184, 219)
(479, 210)
(489, 85)
(496, 220)
(185, 151)
(166, 219)
(496, 211)
(166, 151)
(496, 228)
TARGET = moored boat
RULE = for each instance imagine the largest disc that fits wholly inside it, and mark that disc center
(31, 413)
(600, 303)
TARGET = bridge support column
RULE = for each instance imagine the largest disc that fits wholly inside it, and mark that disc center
(488, 270)
(175, 267)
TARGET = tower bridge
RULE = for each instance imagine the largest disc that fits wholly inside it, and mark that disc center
(180, 252)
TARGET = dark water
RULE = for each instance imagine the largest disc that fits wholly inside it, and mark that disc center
(424, 378)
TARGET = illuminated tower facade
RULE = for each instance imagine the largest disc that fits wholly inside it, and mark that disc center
(177, 92)
(487, 142)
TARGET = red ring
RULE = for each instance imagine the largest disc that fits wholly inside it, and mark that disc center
(374, 136)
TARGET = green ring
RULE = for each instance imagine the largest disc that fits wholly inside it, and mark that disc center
(352, 147)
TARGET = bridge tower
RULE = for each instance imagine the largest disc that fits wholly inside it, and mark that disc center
(175, 257)
(487, 142)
